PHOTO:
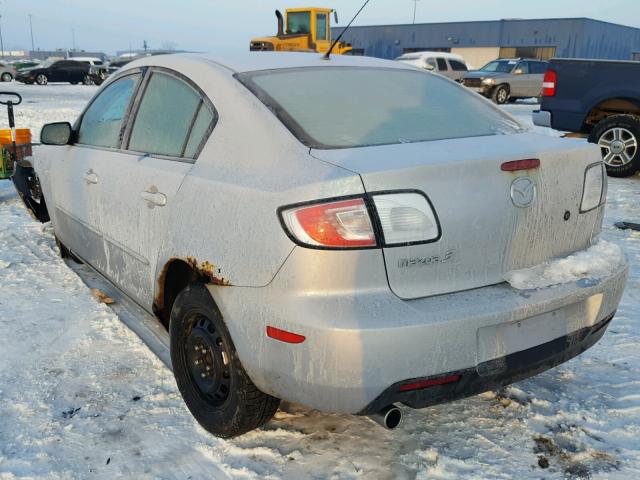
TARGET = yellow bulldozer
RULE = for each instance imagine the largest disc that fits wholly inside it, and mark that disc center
(307, 30)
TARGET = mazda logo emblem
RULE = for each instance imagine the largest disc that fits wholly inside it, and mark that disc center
(523, 192)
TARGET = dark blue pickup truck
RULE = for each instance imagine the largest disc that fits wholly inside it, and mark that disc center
(600, 99)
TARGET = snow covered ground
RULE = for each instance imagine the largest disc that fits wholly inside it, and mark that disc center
(82, 397)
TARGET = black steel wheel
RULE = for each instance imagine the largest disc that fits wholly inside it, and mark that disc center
(208, 371)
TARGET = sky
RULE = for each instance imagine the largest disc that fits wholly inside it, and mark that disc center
(211, 25)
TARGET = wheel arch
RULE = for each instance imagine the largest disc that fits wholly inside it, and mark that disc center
(176, 274)
(607, 107)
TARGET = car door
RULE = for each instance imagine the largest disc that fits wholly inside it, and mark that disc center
(76, 173)
(57, 72)
(519, 80)
(163, 139)
(322, 32)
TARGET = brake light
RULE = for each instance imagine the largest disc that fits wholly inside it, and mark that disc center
(340, 224)
(549, 83)
(518, 165)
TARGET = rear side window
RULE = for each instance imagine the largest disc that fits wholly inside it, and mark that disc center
(537, 67)
(166, 114)
(199, 131)
(442, 65)
(102, 122)
(457, 66)
(345, 107)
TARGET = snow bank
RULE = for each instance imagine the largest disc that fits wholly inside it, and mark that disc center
(600, 260)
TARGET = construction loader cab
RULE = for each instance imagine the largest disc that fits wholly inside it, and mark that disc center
(302, 30)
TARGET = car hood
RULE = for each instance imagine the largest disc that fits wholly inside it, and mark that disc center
(25, 71)
(482, 74)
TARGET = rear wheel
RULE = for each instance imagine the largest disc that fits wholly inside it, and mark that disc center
(500, 94)
(209, 373)
(87, 80)
(42, 79)
(618, 137)
(7, 77)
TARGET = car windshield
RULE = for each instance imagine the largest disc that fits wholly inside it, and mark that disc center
(356, 107)
(502, 66)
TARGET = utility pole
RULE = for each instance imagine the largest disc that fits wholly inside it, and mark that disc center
(1, 41)
(415, 7)
(33, 48)
(145, 46)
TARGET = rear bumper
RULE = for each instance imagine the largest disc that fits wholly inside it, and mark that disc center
(495, 373)
(541, 118)
(363, 343)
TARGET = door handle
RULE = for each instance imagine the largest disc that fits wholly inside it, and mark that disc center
(154, 198)
(91, 177)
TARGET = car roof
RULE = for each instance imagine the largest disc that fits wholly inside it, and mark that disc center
(254, 61)
(428, 53)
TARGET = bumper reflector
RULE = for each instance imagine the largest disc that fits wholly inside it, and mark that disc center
(428, 383)
(284, 336)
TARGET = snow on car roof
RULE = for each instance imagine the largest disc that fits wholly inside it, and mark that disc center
(252, 61)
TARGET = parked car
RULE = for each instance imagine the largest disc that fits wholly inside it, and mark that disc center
(599, 99)
(22, 64)
(506, 80)
(56, 71)
(7, 73)
(305, 238)
(448, 64)
(93, 61)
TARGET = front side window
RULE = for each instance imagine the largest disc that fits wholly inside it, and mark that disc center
(321, 26)
(102, 122)
(165, 116)
(346, 107)
(502, 66)
(432, 63)
(523, 68)
(299, 22)
(442, 65)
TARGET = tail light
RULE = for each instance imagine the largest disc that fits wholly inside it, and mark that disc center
(401, 218)
(342, 224)
(549, 83)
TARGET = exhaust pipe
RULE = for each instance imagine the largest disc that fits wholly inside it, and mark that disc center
(389, 417)
(280, 23)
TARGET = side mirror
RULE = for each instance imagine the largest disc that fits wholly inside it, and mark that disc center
(428, 66)
(518, 71)
(58, 133)
(335, 17)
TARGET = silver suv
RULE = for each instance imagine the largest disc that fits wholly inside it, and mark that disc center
(506, 80)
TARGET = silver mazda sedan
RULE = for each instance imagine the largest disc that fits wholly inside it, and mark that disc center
(331, 233)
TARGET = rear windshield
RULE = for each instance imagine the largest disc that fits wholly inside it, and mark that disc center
(345, 107)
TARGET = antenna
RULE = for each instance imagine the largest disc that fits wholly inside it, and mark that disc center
(327, 56)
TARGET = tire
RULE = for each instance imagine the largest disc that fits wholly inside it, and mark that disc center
(618, 137)
(500, 94)
(218, 393)
(66, 253)
(6, 77)
(42, 79)
(87, 80)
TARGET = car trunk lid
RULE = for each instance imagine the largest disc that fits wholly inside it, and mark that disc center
(484, 234)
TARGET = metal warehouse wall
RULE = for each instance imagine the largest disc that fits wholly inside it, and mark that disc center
(573, 37)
